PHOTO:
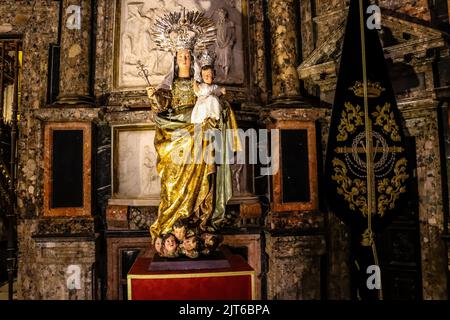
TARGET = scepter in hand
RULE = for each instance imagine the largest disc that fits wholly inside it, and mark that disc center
(156, 106)
(143, 73)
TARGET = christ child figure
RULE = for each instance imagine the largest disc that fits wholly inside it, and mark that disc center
(208, 104)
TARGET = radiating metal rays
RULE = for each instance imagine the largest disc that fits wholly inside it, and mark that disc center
(184, 30)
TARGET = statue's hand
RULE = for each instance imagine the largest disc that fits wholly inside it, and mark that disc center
(223, 91)
(195, 86)
(150, 91)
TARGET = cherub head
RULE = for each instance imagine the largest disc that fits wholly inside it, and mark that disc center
(169, 246)
(211, 242)
(190, 247)
(158, 244)
(179, 230)
(190, 243)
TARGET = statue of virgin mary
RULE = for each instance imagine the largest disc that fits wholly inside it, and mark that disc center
(194, 188)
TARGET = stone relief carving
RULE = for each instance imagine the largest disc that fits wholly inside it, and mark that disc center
(136, 19)
(226, 39)
(136, 168)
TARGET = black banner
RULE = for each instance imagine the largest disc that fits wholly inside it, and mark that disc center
(366, 166)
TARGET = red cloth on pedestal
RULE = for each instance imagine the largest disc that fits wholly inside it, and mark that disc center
(234, 283)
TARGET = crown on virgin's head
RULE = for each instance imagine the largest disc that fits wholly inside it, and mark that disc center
(183, 30)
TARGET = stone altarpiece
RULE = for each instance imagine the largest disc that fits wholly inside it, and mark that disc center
(129, 211)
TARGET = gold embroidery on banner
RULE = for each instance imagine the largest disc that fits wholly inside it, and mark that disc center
(367, 238)
(352, 117)
(386, 120)
(354, 191)
(390, 190)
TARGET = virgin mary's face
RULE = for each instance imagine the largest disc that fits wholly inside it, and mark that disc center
(184, 62)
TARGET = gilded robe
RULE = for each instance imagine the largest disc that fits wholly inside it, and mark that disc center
(193, 187)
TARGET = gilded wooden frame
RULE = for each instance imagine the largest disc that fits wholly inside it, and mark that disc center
(277, 204)
(85, 210)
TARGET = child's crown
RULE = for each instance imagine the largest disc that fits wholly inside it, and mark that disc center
(206, 59)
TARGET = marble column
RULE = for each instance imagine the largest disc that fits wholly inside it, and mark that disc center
(75, 59)
(284, 51)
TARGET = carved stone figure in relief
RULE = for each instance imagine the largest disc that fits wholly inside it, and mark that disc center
(226, 39)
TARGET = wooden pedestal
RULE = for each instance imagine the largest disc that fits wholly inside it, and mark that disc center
(234, 283)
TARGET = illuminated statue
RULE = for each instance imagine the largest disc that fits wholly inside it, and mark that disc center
(193, 192)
